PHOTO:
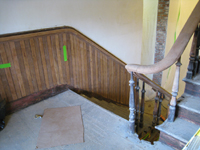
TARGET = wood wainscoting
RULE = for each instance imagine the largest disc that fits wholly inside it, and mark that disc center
(37, 64)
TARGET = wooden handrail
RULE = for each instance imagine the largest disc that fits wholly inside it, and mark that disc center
(152, 84)
(176, 50)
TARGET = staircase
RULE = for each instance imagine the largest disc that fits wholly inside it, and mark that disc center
(176, 134)
(183, 118)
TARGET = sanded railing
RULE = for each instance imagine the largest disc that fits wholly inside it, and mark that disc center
(173, 56)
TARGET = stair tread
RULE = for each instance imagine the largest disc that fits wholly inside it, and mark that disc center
(190, 102)
(180, 129)
(195, 80)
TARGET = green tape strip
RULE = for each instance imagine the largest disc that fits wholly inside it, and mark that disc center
(5, 65)
(65, 52)
(146, 136)
(175, 36)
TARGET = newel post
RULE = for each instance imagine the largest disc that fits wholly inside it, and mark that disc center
(132, 106)
(175, 88)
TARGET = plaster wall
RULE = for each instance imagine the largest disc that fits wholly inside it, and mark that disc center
(116, 25)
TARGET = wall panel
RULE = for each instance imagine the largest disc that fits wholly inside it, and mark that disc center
(37, 64)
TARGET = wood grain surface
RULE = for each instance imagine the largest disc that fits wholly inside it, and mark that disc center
(37, 64)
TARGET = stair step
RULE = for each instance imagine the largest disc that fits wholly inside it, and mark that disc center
(177, 133)
(189, 108)
(192, 86)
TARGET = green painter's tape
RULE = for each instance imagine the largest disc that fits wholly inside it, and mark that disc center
(65, 52)
(175, 35)
(5, 65)
(146, 136)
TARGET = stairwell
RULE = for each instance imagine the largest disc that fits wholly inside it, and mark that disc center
(176, 134)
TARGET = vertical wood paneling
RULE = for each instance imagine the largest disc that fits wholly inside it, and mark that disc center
(4, 80)
(52, 62)
(55, 59)
(91, 67)
(47, 59)
(31, 65)
(13, 72)
(68, 63)
(43, 64)
(17, 68)
(22, 67)
(7, 72)
(37, 63)
(26, 64)
(2, 92)
(59, 59)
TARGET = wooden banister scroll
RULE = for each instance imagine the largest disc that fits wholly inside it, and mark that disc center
(176, 50)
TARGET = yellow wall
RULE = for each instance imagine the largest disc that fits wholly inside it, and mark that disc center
(186, 7)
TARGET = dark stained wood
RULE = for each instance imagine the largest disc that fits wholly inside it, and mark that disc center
(34, 98)
(22, 67)
(31, 65)
(7, 72)
(44, 63)
(17, 68)
(172, 142)
(37, 64)
(192, 89)
(189, 115)
(12, 69)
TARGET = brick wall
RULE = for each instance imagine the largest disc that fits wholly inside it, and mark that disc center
(161, 32)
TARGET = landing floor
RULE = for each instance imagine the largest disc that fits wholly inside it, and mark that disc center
(103, 130)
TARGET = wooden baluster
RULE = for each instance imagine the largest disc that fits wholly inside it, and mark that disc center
(159, 107)
(192, 56)
(172, 107)
(137, 104)
(155, 110)
(197, 53)
(132, 106)
(142, 104)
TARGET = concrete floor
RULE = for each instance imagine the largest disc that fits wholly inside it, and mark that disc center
(103, 130)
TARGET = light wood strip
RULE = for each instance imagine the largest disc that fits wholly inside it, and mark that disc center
(83, 64)
(58, 51)
(12, 68)
(73, 60)
(68, 72)
(91, 67)
(53, 71)
(96, 71)
(81, 79)
(44, 63)
(48, 65)
(31, 65)
(22, 67)
(77, 65)
(39, 62)
(8, 72)
(105, 76)
(5, 83)
(26, 64)
(17, 68)
(110, 72)
(122, 85)
(2, 92)
(85, 67)
(32, 44)
(55, 59)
